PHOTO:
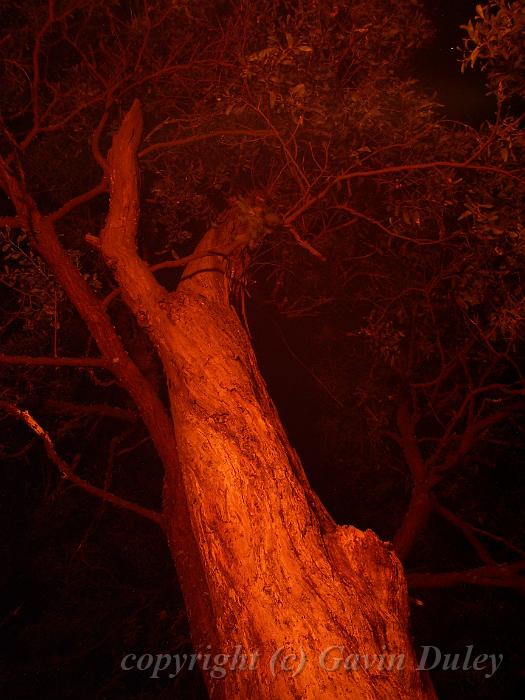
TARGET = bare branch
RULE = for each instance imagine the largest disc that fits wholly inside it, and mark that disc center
(467, 530)
(54, 361)
(80, 199)
(499, 575)
(68, 473)
(388, 231)
(97, 409)
(35, 83)
(293, 214)
(46, 242)
(183, 141)
(304, 244)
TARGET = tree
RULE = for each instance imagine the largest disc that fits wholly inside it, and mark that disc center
(271, 129)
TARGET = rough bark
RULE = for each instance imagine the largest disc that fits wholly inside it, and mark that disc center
(279, 576)
(275, 573)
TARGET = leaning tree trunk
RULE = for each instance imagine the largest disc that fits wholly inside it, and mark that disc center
(278, 576)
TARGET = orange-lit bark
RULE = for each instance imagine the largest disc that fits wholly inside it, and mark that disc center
(274, 571)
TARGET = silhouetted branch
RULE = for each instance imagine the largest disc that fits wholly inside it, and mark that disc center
(68, 472)
(307, 203)
(184, 140)
(499, 576)
(54, 361)
(467, 530)
(77, 201)
(98, 409)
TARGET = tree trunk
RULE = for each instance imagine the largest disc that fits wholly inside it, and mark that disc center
(276, 575)
(420, 505)
(414, 521)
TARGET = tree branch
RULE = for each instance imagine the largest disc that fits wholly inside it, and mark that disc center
(77, 201)
(500, 575)
(54, 361)
(409, 444)
(68, 473)
(185, 140)
(45, 240)
(467, 530)
(97, 409)
(35, 82)
(304, 244)
(294, 214)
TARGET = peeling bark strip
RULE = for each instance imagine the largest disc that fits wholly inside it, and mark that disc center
(278, 574)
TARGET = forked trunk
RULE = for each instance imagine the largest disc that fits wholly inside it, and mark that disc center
(269, 574)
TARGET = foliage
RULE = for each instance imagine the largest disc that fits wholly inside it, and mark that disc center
(496, 38)
(26, 276)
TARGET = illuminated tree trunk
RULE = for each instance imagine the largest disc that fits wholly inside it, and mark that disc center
(275, 574)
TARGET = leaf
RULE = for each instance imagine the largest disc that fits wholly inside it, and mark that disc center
(262, 55)
(298, 90)
(470, 29)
